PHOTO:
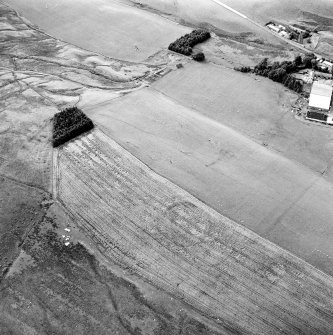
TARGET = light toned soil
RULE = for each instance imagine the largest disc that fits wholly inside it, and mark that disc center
(177, 243)
(108, 27)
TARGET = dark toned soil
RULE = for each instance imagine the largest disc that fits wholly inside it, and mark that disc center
(66, 291)
(20, 209)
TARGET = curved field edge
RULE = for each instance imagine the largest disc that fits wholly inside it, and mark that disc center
(155, 229)
(111, 28)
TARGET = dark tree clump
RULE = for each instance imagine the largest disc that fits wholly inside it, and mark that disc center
(281, 72)
(298, 60)
(245, 69)
(184, 44)
(199, 56)
(307, 60)
(68, 124)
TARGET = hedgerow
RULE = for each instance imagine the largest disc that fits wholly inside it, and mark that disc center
(244, 69)
(184, 44)
(68, 124)
(281, 72)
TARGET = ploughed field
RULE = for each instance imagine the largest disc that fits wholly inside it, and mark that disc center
(152, 227)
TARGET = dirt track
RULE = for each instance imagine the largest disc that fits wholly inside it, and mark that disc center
(155, 229)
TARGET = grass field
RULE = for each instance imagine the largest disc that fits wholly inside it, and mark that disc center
(311, 14)
(165, 235)
(263, 11)
(108, 27)
(207, 11)
(253, 106)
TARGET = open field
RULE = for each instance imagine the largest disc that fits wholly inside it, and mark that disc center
(36, 82)
(41, 290)
(155, 229)
(255, 107)
(263, 11)
(308, 13)
(207, 11)
(277, 198)
(108, 27)
(141, 237)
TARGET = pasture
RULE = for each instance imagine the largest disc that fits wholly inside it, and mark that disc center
(280, 9)
(208, 11)
(111, 28)
(253, 106)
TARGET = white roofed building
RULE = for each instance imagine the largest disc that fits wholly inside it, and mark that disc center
(320, 96)
(274, 28)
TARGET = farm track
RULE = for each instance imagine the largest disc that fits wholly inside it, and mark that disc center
(155, 229)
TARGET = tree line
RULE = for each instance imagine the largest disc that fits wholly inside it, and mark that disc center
(281, 72)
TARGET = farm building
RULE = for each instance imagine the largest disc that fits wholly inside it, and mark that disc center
(328, 64)
(273, 27)
(285, 34)
(320, 96)
(298, 30)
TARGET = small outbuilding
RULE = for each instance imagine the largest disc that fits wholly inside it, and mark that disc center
(320, 96)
